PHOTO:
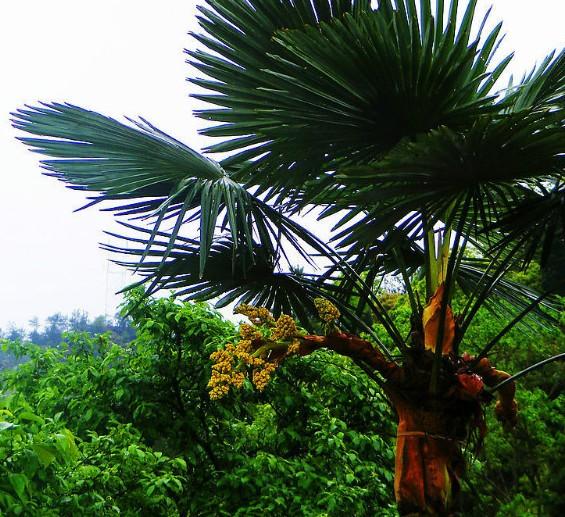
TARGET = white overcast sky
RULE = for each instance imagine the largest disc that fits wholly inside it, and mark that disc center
(121, 57)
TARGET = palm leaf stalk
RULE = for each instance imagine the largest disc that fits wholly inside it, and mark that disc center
(385, 118)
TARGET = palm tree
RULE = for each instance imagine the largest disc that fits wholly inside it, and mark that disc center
(385, 119)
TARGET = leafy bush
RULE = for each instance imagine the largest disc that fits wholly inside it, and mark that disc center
(148, 441)
(46, 470)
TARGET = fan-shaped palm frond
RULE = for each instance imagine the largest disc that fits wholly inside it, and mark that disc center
(438, 171)
(312, 90)
(537, 220)
(157, 176)
(260, 281)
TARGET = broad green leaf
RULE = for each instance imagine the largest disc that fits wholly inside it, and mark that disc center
(45, 452)
(20, 484)
(65, 443)
(5, 426)
(30, 417)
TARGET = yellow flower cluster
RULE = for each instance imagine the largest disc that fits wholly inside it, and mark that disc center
(327, 311)
(249, 332)
(218, 389)
(222, 372)
(262, 376)
(257, 315)
(225, 376)
(254, 350)
(243, 353)
(285, 328)
(294, 347)
(237, 379)
(223, 359)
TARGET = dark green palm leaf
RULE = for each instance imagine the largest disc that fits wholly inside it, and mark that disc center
(345, 89)
(481, 280)
(384, 117)
(260, 282)
(539, 216)
(504, 298)
(542, 88)
(436, 172)
(155, 175)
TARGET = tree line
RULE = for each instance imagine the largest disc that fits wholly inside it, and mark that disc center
(55, 326)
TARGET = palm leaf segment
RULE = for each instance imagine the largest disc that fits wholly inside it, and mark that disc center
(258, 281)
(490, 168)
(145, 173)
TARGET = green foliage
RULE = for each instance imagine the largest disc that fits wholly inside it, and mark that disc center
(47, 470)
(93, 428)
(325, 426)
(143, 438)
(518, 473)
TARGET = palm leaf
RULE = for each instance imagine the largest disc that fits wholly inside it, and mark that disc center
(538, 219)
(156, 176)
(440, 169)
(260, 281)
(543, 87)
(299, 94)
(481, 280)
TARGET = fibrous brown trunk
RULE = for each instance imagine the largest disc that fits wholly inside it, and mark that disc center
(429, 462)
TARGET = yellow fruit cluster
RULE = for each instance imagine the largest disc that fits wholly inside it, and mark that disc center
(285, 328)
(237, 379)
(218, 389)
(223, 359)
(257, 315)
(327, 311)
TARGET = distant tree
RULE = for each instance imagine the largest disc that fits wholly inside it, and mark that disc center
(78, 321)
(99, 325)
(123, 329)
(34, 334)
(55, 325)
(15, 333)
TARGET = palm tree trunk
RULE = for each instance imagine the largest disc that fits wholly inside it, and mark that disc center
(429, 462)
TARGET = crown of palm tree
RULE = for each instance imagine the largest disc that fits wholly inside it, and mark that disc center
(386, 116)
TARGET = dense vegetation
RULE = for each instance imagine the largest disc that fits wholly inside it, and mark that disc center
(94, 428)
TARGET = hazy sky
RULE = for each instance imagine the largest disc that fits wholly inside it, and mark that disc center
(121, 57)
